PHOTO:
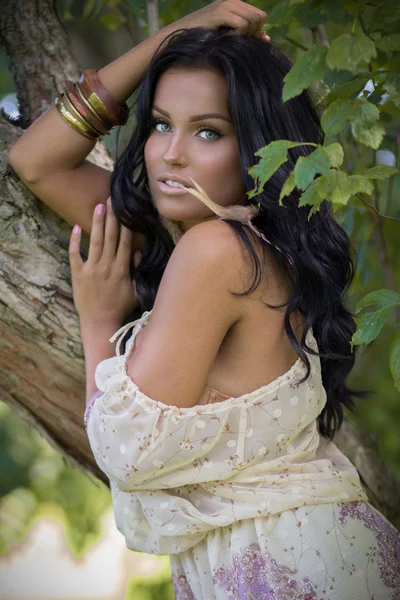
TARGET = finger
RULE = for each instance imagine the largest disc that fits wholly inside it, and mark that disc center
(111, 234)
(255, 18)
(74, 251)
(96, 235)
(239, 24)
(124, 252)
(263, 36)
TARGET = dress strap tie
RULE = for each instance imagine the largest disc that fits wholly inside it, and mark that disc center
(120, 334)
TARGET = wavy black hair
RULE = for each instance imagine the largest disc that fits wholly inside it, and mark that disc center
(315, 251)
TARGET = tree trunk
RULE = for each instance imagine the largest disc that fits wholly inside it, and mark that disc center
(42, 375)
(42, 369)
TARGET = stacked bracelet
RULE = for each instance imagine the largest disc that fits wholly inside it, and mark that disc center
(101, 100)
(84, 108)
(89, 108)
(75, 123)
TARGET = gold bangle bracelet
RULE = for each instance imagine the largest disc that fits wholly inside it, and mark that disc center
(72, 122)
(86, 113)
(97, 103)
(71, 108)
(89, 106)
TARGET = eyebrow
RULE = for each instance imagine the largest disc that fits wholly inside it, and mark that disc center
(195, 117)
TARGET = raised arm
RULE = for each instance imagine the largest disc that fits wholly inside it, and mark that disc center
(50, 156)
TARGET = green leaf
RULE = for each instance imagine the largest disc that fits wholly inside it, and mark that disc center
(366, 113)
(375, 97)
(334, 186)
(310, 18)
(281, 14)
(380, 172)
(337, 187)
(305, 71)
(335, 11)
(272, 157)
(312, 195)
(386, 12)
(392, 86)
(359, 183)
(380, 298)
(369, 326)
(307, 167)
(335, 78)
(394, 360)
(369, 136)
(335, 153)
(348, 50)
(336, 116)
(364, 127)
(350, 88)
(389, 43)
(287, 187)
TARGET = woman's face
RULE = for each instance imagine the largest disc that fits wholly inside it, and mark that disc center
(205, 149)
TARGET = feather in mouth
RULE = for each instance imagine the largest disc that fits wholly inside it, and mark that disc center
(235, 211)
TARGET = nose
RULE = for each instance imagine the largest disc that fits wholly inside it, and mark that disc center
(175, 152)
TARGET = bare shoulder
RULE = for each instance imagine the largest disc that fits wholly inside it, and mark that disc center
(193, 311)
(216, 241)
(216, 238)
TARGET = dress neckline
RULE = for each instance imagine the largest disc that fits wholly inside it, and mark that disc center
(299, 365)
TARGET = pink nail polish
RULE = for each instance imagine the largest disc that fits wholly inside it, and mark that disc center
(100, 209)
(76, 229)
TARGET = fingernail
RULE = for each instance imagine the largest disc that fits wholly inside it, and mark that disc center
(109, 201)
(100, 209)
(76, 229)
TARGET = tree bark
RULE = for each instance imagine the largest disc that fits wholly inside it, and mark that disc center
(42, 374)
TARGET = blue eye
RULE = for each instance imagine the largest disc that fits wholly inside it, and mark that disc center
(159, 122)
(212, 130)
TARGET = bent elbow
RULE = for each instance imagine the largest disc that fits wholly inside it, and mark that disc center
(21, 168)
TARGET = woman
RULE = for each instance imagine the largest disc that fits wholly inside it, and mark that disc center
(214, 424)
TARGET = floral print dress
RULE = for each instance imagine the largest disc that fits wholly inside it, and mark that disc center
(246, 497)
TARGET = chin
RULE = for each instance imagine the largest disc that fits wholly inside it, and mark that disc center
(173, 209)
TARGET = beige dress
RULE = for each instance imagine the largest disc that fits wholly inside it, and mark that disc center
(243, 493)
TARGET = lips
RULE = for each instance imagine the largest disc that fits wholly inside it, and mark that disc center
(164, 178)
(171, 190)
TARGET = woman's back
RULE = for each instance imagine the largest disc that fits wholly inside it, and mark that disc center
(256, 349)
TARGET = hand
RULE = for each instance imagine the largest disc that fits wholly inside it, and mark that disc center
(242, 17)
(102, 286)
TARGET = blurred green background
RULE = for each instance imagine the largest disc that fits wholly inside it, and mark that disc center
(35, 480)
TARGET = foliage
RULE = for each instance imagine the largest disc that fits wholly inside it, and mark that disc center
(355, 115)
(34, 475)
(154, 586)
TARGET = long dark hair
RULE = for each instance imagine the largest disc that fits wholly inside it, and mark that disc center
(315, 251)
